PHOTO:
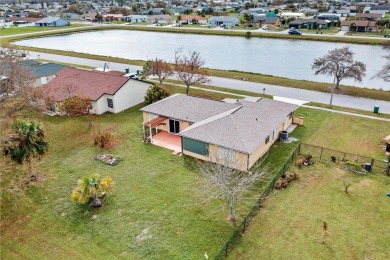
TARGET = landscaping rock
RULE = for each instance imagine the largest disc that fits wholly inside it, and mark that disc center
(143, 236)
(107, 159)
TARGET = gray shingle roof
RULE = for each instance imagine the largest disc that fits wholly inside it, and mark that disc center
(244, 129)
(46, 69)
(188, 108)
(49, 19)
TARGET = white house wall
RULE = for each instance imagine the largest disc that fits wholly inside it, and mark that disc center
(129, 95)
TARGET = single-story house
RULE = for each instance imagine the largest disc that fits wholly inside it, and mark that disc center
(237, 132)
(309, 24)
(287, 15)
(135, 18)
(42, 72)
(310, 11)
(88, 17)
(108, 91)
(160, 19)
(190, 19)
(112, 17)
(272, 22)
(328, 16)
(223, 20)
(368, 16)
(358, 26)
(52, 22)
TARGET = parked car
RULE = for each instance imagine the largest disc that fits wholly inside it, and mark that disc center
(294, 32)
(265, 28)
(131, 75)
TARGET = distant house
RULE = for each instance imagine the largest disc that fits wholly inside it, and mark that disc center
(160, 19)
(88, 17)
(328, 16)
(135, 18)
(272, 22)
(223, 20)
(287, 15)
(108, 91)
(368, 16)
(190, 19)
(358, 26)
(237, 131)
(112, 17)
(310, 11)
(309, 24)
(52, 22)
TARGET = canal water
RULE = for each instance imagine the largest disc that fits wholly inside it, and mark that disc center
(278, 57)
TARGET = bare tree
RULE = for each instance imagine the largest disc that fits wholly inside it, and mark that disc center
(340, 64)
(159, 68)
(384, 73)
(188, 68)
(222, 182)
(17, 93)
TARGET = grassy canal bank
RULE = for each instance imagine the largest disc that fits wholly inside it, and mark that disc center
(239, 75)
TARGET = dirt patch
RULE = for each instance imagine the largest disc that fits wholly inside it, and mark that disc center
(143, 236)
(365, 182)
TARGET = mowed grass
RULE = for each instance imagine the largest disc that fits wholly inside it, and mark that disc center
(14, 30)
(153, 189)
(289, 225)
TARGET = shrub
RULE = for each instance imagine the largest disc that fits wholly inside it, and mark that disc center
(155, 93)
(103, 139)
(91, 190)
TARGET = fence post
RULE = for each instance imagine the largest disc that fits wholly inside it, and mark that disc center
(243, 231)
(299, 148)
(372, 163)
(322, 148)
(227, 246)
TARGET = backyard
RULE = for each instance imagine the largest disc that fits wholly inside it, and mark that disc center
(289, 225)
(154, 193)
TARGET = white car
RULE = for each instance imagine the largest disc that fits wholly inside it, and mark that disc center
(265, 28)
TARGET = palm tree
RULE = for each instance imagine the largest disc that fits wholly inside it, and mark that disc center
(27, 143)
(91, 190)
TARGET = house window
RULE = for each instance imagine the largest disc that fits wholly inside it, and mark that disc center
(267, 140)
(275, 133)
(227, 155)
(174, 126)
(110, 103)
(195, 146)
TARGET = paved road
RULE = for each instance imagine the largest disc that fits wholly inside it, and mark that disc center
(301, 94)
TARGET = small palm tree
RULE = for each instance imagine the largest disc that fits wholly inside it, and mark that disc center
(91, 190)
(27, 143)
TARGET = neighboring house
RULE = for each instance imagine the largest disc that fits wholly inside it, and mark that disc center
(189, 19)
(328, 16)
(310, 11)
(309, 24)
(240, 131)
(272, 22)
(108, 91)
(88, 17)
(358, 26)
(135, 18)
(368, 16)
(380, 9)
(160, 19)
(43, 72)
(52, 22)
(112, 17)
(223, 20)
(287, 15)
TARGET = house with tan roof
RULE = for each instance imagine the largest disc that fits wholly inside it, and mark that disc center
(108, 91)
(237, 132)
(358, 26)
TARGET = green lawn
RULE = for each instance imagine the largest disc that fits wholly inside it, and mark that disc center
(153, 189)
(289, 225)
(31, 29)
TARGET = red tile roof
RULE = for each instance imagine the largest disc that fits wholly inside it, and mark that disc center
(359, 23)
(84, 83)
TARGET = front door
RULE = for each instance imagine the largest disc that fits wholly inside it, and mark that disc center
(174, 126)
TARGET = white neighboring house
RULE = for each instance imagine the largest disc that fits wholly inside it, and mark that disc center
(108, 91)
(287, 15)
